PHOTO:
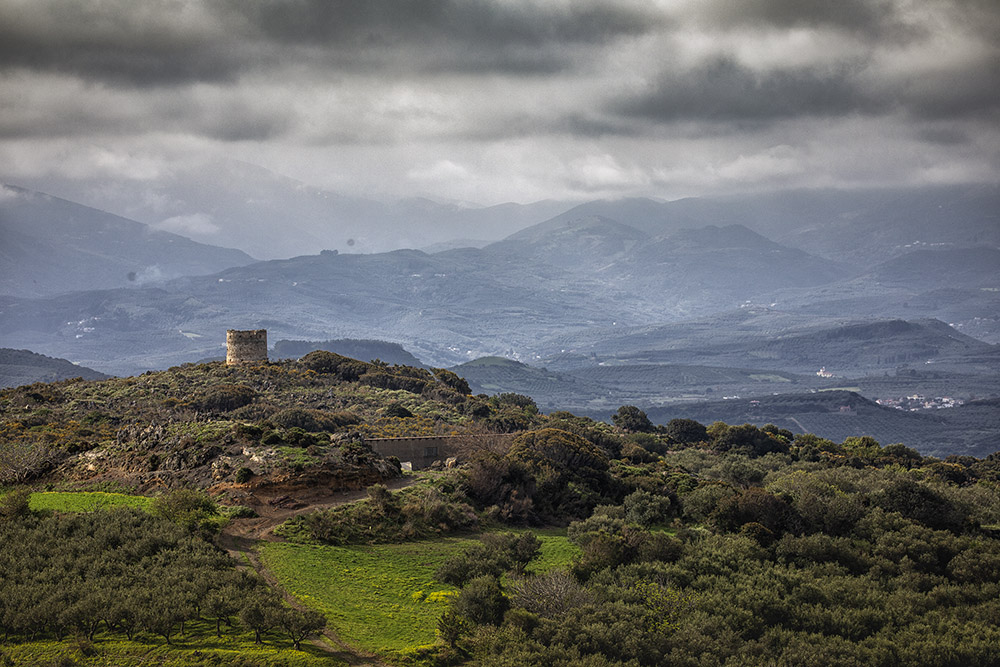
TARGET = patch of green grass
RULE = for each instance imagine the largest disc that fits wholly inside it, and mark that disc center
(557, 551)
(198, 646)
(381, 598)
(384, 598)
(85, 501)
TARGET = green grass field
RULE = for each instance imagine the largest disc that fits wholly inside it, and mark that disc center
(85, 501)
(198, 646)
(378, 598)
(557, 550)
(384, 598)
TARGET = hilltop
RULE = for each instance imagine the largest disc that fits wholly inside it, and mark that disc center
(285, 424)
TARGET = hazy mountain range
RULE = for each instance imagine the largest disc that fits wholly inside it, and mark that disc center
(582, 275)
(609, 296)
(269, 216)
(50, 246)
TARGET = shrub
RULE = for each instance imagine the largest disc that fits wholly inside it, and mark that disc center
(388, 517)
(521, 401)
(497, 554)
(342, 368)
(224, 397)
(493, 481)
(646, 509)
(186, 507)
(481, 601)
(637, 454)
(921, 503)
(632, 419)
(700, 503)
(548, 595)
(241, 512)
(398, 410)
(15, 504)
(755, 505)
(451, 379)
(571, 473)
(313, 421)
(746, 439)
(685, 431)
(509, 420)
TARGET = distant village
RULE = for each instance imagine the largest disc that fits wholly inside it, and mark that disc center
(912, 403)
(917, 402)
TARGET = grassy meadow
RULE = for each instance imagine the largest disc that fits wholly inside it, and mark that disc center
(379, 598)
(384, 598)
(85, 501)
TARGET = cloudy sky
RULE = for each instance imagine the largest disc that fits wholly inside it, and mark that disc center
(504, 100)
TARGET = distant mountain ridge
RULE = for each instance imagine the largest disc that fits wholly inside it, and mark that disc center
(19, 367)
(271, 216)
(50, 246)
(858, 227)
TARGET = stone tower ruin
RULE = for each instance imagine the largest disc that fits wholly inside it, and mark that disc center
(246, 347)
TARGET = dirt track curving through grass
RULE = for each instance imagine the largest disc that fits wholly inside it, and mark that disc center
(240, 537)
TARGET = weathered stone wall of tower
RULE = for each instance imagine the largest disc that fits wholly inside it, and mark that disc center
(246, 347)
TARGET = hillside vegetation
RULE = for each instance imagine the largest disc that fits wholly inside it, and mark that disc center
(685, 543)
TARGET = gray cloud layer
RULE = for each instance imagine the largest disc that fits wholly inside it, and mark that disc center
(512, 99)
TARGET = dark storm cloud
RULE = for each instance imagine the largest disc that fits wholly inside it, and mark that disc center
(486, 25)
(156, 43)
(439, 36)
(872, 17)
(947, 93)
(120, 42)
(723, 90)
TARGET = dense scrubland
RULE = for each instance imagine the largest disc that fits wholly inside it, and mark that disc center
(579, 543)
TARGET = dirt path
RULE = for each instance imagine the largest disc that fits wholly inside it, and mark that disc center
(241, 536)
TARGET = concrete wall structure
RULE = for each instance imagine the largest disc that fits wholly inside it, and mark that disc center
(423, 451)
(246, 347)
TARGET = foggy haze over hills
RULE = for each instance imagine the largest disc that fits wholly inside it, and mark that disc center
(618, 194)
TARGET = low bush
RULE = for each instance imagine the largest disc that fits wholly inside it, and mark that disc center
(313, 421)
(224, 397)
